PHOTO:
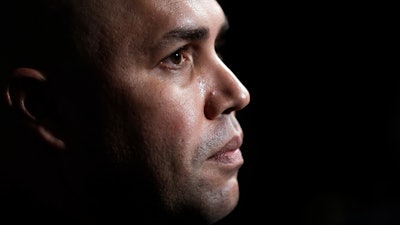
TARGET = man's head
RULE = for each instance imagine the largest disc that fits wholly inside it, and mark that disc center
(135, 96)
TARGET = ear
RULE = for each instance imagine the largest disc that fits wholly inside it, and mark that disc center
(27, 93)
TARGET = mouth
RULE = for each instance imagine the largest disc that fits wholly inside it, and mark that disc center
(230, 154)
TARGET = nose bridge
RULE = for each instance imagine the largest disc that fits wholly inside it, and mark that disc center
(227, 93)
(233, 87)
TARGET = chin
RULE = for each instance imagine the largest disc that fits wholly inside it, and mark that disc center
(222, 202)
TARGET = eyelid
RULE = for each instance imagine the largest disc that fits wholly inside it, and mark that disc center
(185, 58)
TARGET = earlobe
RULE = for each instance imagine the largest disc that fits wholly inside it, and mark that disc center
(27, 95)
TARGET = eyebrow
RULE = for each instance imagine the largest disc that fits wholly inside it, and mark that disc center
(187, 34)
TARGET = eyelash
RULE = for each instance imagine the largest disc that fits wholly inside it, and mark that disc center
(181, 55)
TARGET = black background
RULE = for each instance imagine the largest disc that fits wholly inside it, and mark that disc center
(321, 139)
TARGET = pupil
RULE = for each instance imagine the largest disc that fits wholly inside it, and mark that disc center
(177, 58)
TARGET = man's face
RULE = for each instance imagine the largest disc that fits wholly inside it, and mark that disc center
(168, 99)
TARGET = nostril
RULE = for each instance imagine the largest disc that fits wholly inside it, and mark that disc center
(229, 110)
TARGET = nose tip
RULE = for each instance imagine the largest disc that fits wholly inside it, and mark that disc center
(233, 96)
(243, 97)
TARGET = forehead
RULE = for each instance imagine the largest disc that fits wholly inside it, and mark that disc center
(135, 24)
(155, 11)
(159, 15)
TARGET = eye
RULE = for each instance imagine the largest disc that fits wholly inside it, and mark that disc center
(177, 59)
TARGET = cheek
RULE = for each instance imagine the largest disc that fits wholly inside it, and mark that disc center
(173, 122)
(166, 116)
(171, 134)
(175, 118)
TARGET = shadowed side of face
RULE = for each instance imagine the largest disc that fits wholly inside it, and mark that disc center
(150, 102)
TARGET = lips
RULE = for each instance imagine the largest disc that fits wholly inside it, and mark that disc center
(230, 153)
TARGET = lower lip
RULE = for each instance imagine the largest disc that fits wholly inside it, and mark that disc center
(233, 157)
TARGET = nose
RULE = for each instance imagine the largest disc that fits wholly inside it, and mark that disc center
(226, 94)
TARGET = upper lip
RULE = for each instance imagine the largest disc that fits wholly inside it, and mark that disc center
(233, 144)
